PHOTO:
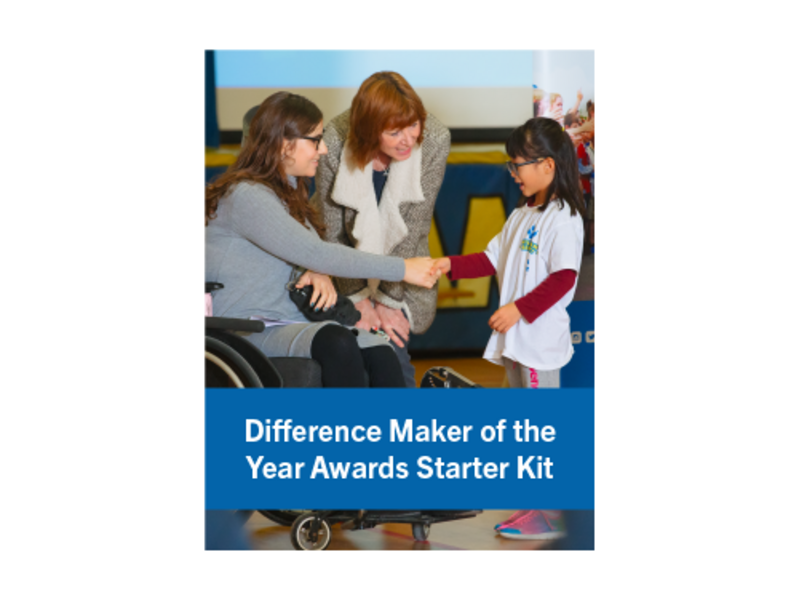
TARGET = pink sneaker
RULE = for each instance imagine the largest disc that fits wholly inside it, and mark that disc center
(536, 525)
(510, 520)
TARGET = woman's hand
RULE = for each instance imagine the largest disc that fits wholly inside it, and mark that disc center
(394, 323)
(324, 295)
(504, 317)
(421, 271)
(369, 318)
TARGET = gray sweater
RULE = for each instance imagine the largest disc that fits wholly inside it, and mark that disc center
(400, 225)
(252, 246)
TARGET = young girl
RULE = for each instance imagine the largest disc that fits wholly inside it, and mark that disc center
(536, 258)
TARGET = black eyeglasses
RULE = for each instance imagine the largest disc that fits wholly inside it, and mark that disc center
(316, 140)
(513, 167)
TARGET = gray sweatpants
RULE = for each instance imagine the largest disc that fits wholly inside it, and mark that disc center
(520, 376)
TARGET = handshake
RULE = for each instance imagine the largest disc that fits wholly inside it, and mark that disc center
(425, 271)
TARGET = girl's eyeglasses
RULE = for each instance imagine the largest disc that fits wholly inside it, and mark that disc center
(316, 140)
(513, 167)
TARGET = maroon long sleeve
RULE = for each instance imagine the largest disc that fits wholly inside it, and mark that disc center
(536, 302)
(533, 304)
(470, 266)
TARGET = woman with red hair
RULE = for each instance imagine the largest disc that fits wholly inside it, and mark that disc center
(376, 189)
(261, 233)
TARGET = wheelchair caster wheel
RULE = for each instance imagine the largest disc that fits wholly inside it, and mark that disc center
(420, 531)
(310, 532)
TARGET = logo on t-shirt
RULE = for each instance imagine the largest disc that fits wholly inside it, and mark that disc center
(528, 245)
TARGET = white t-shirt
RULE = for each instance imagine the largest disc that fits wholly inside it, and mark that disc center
(531, 246)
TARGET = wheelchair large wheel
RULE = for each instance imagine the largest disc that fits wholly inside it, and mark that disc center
(226, 368)
(304, 536)
(268, 375)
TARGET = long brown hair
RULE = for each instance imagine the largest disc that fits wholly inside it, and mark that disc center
(385, 101)
(281, 116)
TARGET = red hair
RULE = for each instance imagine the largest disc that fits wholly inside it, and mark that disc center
(384, 102)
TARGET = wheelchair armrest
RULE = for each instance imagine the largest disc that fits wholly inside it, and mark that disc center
(223, 323)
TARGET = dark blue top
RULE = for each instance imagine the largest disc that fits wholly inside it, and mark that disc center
(379, 181)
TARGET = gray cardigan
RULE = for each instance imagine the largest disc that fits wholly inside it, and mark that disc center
(252, 246)
(399, 226)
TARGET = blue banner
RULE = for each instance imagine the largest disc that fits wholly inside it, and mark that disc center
(579, 371)
(399, 449)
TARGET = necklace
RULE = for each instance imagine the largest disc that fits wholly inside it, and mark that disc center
(385, 170)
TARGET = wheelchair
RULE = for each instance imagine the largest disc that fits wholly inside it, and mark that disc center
(311, 530)
(233, 362)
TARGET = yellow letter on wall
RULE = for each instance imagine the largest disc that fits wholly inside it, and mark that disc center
(485, 219)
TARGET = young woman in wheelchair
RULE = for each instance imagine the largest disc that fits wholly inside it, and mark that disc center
(261, 228)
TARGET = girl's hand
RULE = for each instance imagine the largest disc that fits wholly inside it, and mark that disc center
(394, 323)
(504, 317)
(369, 318)
(420, 271)
(324, 295)
(442, 265)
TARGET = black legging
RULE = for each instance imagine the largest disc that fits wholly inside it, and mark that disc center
(344, 364)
